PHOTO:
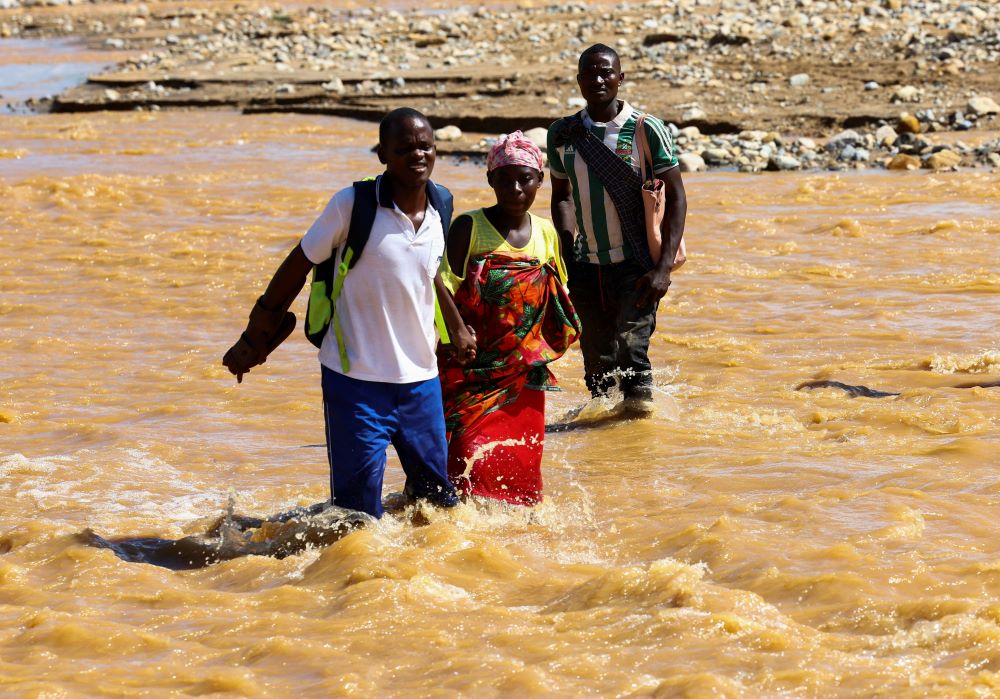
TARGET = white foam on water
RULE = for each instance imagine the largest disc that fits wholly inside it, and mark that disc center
(136, 483)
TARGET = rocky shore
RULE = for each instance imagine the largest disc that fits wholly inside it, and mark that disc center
(784, 85)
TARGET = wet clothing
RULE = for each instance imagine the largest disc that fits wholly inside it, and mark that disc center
(600, 239)
(391, 393)
(516, 301)
(615, 339)
(363, 418)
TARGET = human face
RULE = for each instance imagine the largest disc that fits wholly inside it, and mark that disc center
(515, 187)
(409, 153)
(599, 78)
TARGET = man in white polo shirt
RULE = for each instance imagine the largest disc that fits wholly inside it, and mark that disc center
(613, 282)
(380, 381)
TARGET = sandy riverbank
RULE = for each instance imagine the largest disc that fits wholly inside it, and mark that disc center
(798, 84)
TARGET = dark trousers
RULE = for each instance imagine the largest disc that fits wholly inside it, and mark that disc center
(615, 338)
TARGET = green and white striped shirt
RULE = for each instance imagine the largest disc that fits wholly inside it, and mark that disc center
(599, 233)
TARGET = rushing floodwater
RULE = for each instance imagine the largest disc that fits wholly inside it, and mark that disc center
(766, 542)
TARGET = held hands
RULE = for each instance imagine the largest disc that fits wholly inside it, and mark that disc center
(463, 343)
(652, 286)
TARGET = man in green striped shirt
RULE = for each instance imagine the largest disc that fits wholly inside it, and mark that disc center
(614, 295)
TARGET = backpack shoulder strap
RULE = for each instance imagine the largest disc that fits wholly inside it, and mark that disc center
(362, 218)
(444, 203)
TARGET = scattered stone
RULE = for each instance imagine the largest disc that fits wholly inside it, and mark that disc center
(576, 103)
(693, 114)
(336, 86)
(904, 162)
(843, 139)
(448, 133)
(907, 123)
(907, 93)
(723, 81)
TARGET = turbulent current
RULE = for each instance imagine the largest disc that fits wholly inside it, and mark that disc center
(749, 540)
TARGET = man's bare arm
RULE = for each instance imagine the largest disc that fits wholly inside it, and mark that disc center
(564, 215)
(672, 226)
(269, 321)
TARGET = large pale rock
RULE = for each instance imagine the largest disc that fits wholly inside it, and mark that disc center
(716, 156)
(783, 162)
(942, 160)
(448, 133)
(538, 136)
(886, 136)
(907, 93)
(982, 106)
(691, 162)
(336, 86)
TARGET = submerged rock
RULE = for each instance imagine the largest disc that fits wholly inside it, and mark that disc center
(234, 536)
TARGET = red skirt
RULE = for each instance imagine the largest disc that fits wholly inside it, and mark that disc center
(500, 455)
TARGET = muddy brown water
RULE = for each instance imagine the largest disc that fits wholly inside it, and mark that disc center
(762, 541)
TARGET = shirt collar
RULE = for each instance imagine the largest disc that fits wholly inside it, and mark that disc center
(619, 121)
(383, 186)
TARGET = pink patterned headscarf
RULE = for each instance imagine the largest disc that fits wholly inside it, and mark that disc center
(514, 149)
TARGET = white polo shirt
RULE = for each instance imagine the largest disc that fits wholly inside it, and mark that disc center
(386, 306)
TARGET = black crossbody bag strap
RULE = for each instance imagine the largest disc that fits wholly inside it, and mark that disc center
(621, 183)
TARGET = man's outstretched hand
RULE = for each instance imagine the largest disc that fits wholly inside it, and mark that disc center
(245, 355)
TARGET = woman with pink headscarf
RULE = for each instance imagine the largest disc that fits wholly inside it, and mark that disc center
(504, 268)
